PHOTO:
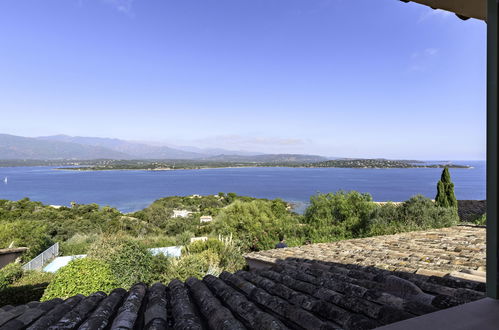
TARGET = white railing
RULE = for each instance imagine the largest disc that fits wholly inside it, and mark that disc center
(40, 260)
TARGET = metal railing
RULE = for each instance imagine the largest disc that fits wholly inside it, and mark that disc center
(39, 261)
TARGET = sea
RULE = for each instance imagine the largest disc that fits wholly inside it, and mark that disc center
(132, 190)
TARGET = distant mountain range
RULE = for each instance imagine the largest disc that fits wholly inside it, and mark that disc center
(64, 147)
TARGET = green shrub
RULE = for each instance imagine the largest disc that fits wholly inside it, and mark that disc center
(81, 276)
(9, 274)
(29, 287)
(130, 262)
(78, 244)
(161, 267)
(482, 220)
(227, 250)
(184, 238)
(338, 216)
(157, 241)
(418, 213)
(31, 234)
(194, 265)
(256, 224)
(212, 244)
(32, 277)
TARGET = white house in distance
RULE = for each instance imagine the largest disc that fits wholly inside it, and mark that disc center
(181, 213)
(206, 218)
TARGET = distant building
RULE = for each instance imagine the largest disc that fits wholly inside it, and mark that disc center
(202, 239)
(181, 213)
(206, 218)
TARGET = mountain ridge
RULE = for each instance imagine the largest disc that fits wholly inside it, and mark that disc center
(65, 147)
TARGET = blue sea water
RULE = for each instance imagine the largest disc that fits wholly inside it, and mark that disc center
(133, 190)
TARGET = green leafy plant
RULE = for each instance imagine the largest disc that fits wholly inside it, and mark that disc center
(338, 216)
(256, 224)
(29, 287)
(81, 276)
(9, 274)
(129, 261)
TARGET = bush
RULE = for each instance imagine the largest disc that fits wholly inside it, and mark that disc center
(418, 213)
(338, 216)
(78, 244)
(184, 238)
(227, 250)
(9, 274)
(81, 276)
(31, 234)
(482, 220)
(129, 261)
(194, 265)
(212, 244)
(161, 267)
(256, 224)
(29, 287)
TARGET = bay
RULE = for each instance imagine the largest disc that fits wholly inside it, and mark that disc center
(129, 191)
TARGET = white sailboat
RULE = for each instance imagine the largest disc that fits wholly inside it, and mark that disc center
(5, 180)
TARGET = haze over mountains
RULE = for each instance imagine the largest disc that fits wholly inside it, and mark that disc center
(84, 148)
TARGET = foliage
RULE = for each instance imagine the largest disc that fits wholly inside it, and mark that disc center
(227, 249)
(18, 287)
(482, 220)
(9, 274)
(417, 213)
(184, 238)
(350, 215)
(130, 262)
(256, 224)
(338, 216)
(81, 276)
(160, 213)
(78, 244)
(445, 191)
(29, 287)
(26, 233)
(32, 277)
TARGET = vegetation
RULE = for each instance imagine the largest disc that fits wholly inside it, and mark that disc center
(257, 224)
(254, 161)
(379, 163)
(81, 276)
(481, 221)
(29, 287)
(117, 244)
(9, 274)
(129, 261)
(418, 213)
(445, 191)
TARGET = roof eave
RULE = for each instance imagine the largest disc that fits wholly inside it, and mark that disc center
(464, 9)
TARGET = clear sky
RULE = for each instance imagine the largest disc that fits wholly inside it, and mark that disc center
(352, 78)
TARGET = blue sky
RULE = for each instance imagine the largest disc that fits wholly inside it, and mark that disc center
(357, 78)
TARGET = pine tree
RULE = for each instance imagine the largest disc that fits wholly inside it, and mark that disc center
(445, 191)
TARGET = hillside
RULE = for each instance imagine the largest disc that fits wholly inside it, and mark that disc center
(134, 150)
(17, 147)
(270, 158)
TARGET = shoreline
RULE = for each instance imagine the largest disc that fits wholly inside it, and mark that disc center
(93, 169)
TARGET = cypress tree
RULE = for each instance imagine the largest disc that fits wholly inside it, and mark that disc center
(445, 191)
